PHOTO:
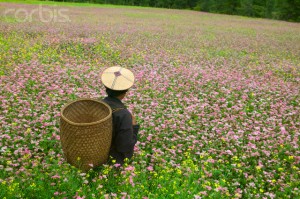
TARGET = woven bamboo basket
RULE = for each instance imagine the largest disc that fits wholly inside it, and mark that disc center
(86, 133)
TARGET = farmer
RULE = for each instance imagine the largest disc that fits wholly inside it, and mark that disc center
(117, 81)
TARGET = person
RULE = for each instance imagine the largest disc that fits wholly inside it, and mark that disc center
(117, 82)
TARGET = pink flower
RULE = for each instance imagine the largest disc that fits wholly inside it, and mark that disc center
(55, 176)
(117, 165)
(131, 181)
(129, 168)
(149, 137)
(150, 168)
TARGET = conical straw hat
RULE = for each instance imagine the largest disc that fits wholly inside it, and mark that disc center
(117, 78)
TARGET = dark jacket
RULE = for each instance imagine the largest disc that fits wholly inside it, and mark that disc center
(124, 133)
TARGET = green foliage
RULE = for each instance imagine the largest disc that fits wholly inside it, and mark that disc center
(274, 9)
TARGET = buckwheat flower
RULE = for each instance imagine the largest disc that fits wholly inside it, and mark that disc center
(272, 196)
(150, 168)
(55, 176)
(229, 152)
(129, 168)
(106, 196)
(117, 165)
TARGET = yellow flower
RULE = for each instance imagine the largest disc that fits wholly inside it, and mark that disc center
(207, 182)
(261, 190)
(179, 171)
(273, 180)
(280, 169)
(78, 158)
(291, 157)
(105, 171)
(12, 187)
(33, 185)
(258, 167)
(238, 165)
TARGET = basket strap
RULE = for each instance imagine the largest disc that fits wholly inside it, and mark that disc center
(116, 109)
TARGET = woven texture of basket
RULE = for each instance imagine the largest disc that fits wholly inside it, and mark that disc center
(86, 133)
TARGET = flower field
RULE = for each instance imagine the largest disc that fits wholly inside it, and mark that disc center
(217, 98)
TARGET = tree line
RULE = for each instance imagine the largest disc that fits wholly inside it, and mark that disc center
(288, 10)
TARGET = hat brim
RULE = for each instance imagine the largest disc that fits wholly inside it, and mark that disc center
(117, 78)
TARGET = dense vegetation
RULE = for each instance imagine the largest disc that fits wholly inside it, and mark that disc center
(273, 9)
(217, 98)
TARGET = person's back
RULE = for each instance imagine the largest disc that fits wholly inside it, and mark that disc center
(125, 128)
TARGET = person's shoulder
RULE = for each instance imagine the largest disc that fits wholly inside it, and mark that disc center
(122, 112)
(123, 115)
